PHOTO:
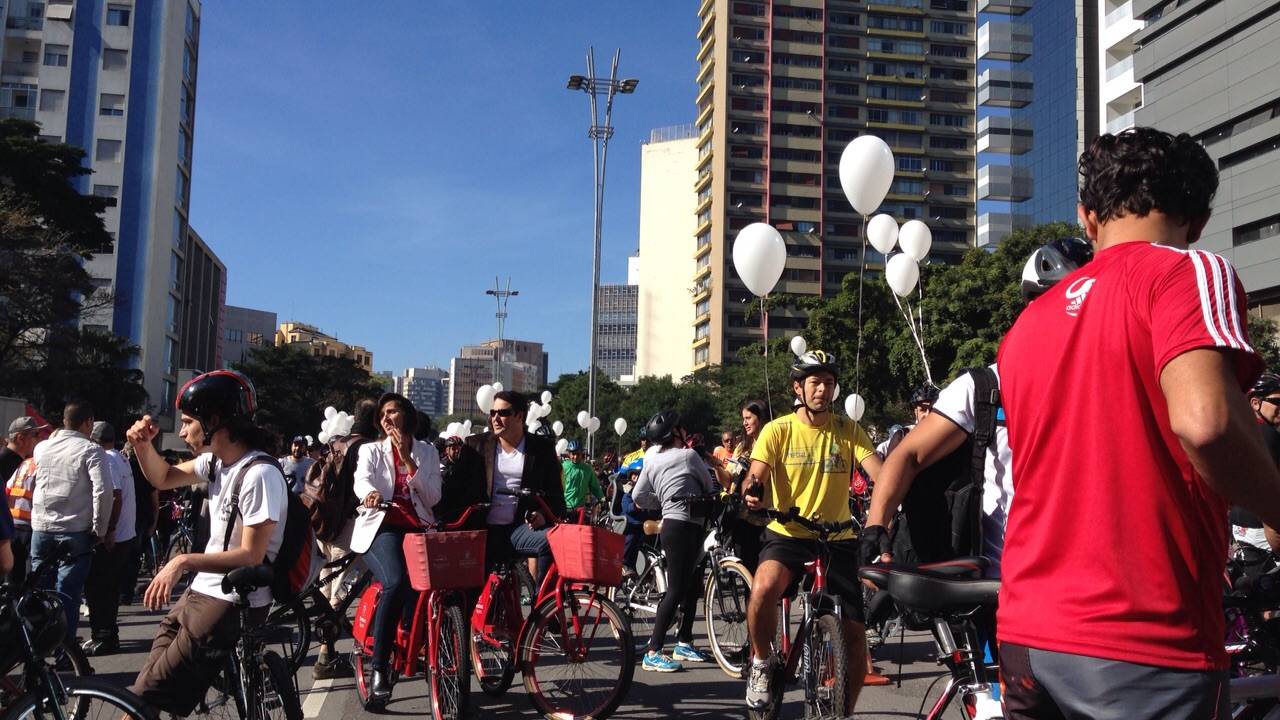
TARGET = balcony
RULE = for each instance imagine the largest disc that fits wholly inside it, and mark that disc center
(1121, 122)
(994, 227)
(1005, 182)
(1120, 68)
(30, 24)
(1009, 41)
(1002, 87)
(1004, 7)
(1003, 134)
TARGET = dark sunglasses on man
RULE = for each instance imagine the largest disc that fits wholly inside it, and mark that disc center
(502, 412)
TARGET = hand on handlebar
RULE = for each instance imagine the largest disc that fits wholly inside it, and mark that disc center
(373, 500)
(535, 520)
(753, 493)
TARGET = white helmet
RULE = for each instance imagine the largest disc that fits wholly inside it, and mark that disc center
(1051, 262)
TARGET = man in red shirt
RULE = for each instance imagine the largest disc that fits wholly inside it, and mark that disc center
(1130, 436)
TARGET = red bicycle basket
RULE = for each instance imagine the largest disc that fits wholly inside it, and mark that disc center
(445, 560)
(584, 553)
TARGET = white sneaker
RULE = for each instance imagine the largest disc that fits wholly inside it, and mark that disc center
(759, 680)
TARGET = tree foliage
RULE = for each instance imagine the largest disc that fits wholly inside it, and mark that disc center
(295, 386)
(1265, 339)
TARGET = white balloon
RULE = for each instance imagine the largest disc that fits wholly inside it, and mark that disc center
(454, 427)
(497, 387)
(343, 414)
(915, 239)
(584, 419)
(561, 446)
(532, 412)
(593, 425)
(324, 437)
(759, 255)
(866, 172)
(534, 424)
(799, 345)
(330, 412)
(620, 426)
(310, 441)
(546, 397)
(837, 393)
(854, 406)
(484, 397)
(882, 233)
(466, 426)
(902, 273)
(557, 427)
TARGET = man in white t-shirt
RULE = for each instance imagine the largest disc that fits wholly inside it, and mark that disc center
(217, 422)
(102, 589)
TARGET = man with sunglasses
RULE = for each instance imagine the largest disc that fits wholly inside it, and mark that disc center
(1264, 398)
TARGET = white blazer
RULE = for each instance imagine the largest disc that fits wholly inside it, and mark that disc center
(375, 471)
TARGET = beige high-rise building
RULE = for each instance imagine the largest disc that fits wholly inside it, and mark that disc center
(783, 88)
(664, 315)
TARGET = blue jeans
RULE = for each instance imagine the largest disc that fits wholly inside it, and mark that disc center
(385, 557)
(524, 541)
(73, 569)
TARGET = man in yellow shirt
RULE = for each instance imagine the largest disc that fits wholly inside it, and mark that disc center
(634, 456)
(805, 460)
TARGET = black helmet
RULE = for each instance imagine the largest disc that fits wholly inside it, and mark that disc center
(545, 431)
(815, 361)
(924, 395)
(41, 611)
(224, 394)
(662, 426)
(1051, 262)
(1267, 384)
(644, 433)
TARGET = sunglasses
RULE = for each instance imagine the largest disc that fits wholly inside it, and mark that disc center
(1273, 400)
(503, 412)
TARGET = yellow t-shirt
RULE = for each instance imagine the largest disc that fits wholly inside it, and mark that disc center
(811, 467)
(631, 457)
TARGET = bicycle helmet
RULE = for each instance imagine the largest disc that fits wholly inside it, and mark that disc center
(223, 394)
(545, 431)
(573, 446)
(41, 611)
(924, 395)
(1267, 384)
(815, 361)
(662, 426)
(1051, 262)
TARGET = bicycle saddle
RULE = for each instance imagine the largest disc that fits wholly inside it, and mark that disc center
(931, 594)
(962, 567)
(242, 580)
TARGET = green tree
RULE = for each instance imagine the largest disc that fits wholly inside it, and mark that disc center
(1265, 339)
(85, 365)
(295, 386)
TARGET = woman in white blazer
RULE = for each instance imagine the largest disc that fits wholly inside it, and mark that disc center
(404, 473)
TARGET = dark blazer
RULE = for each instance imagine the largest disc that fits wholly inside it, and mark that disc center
(468, 481)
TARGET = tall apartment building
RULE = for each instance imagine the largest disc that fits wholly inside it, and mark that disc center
(783, 87)
(524, 369)
(204, 301)
(1211, 70)
(312, 339)
(425, 389)
(1117, 43)
(664, 315)
(616, 331)
(119, 80)
(1038, 107)
(243, 330)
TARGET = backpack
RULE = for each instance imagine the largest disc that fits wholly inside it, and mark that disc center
(941, 515)
(329, 490)
(297, 561)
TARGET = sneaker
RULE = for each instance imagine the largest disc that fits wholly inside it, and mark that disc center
(759, 681)
(688, 653)
(338, 667)
(657, 662)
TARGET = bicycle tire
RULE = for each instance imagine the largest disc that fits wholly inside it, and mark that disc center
(724, 600)
(450, 672)
(540, 643)
(639, 601)
(289, 631)
(273, 693)
(825, 675)
(361, 663)
(493, 658)
(12, 684)
(84, 692)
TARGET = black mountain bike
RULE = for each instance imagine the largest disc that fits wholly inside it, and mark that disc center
(297, 624)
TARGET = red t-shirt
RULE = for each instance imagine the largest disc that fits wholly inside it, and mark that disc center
(1115, 547)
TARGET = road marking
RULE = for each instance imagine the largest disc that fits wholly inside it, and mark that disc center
(316, 696)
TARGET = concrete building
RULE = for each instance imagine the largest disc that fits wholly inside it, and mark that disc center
(119, 80)
(322, 344)
(782, 89)
(1121, 93)
(386, 379)
(204, 301)
(425, 389)
(524, 369)
(243, 330)
(616, 331)
(1038, 107)
(666, 266)
(1211, 70)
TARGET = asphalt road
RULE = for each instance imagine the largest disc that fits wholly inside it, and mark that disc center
(698, 693)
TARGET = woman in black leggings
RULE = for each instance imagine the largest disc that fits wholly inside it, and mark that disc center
(671, 474)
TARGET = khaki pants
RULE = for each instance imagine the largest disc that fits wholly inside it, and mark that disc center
(339, 548)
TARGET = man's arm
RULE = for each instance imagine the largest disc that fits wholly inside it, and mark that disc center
(252, 551)
(97, 465)
(757, 476)
(872, 465)
(155, 468)
(934, 438)
(1213, 423)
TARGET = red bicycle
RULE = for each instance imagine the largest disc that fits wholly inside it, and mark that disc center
(441, 565)
(574, 650)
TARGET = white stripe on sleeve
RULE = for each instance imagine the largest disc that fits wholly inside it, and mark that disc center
(1206, 307)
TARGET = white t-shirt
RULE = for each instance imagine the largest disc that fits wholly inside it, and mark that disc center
(955, 403)
(263, 496)
(508, 473)
(122, 480)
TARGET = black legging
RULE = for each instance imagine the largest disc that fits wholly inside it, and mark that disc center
(682, 545)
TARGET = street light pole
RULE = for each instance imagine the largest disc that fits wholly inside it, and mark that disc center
(501, 297)
(599, 133)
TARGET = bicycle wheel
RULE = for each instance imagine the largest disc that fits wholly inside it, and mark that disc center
(272, 691)
(493, 652)
(222, 699)
(825, 680)
(361, 661)
(68, 652)
(582, 669)
(87, 698)
(725, 598)
(638, 600)
(450, 674)
(288, 632)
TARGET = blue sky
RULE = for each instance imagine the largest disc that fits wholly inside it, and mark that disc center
(370, 167)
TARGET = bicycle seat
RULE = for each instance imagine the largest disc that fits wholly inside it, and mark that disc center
(963, 567)
(933, 594)
(245, 579)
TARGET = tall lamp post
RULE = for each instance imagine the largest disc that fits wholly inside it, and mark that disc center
(599, 133)
(501, 296)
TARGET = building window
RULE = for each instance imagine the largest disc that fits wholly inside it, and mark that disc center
(175, 271)
(948, 27)
(177, 229)
(52, 100)
(747, 103)
(1268, 227)
(188, 65)
(948, 73)
(901, 23)
(910, 164)
(56, 55)
(111, 105)
(185, 104)
(235, 335)
(948, 143)
(894, 92)
(749, 9)
(948, 120)
(808, 61)
(118, 15)
(898, 47)
(108, 150)
(951, 51)
(113, 59)
(797, 83)
(184, 145)
(907, 187)
(801, 13)
(799, 36)
(949, 96)
(747, 32)
(746, 80)
(110, 192)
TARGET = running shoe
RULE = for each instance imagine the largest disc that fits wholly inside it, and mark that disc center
(657, 662)
(759, 679)
(688, 653)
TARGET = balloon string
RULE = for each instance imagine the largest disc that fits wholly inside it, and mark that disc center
(857, 360)
(911, 325)
(764, 324)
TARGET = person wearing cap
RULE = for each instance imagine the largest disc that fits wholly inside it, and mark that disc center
(20, 442)
(581, 486)
(102, 589)
(19, 477)
(296, 464)
(71, 505)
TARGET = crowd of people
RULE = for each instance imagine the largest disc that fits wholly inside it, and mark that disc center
(1124, 412)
